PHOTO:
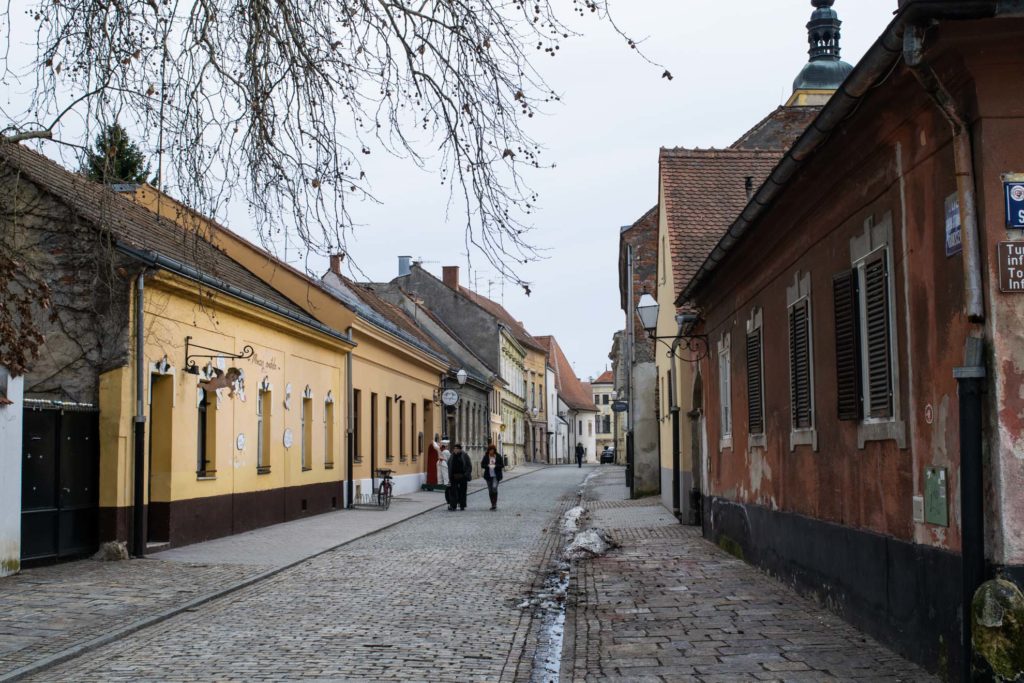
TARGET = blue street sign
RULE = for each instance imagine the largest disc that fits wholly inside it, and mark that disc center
(620, 406)
(1014, 203)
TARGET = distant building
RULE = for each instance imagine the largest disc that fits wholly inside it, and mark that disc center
(576, 403)
(604, 396)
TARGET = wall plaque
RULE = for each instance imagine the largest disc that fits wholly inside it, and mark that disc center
(1010, 262)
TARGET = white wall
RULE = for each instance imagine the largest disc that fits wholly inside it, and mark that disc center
(551, 404)
(10, 476)
(588, 438)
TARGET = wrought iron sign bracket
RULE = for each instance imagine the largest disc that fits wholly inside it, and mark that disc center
(190, 362)
(694, 343)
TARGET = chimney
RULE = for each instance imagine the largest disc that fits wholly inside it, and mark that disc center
(404, 265)
(451, 277)
(336, 261)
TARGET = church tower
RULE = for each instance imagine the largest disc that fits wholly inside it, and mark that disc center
(825, 71)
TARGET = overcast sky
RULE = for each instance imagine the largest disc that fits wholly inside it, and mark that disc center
(733, 61)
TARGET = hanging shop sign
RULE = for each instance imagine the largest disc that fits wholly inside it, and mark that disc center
(953, 244)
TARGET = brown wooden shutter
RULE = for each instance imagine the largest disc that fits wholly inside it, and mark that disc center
(800, 365)
(877, 337)
(755, 393)
(844, 295)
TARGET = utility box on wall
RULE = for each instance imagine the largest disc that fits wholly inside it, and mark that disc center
(936, 502)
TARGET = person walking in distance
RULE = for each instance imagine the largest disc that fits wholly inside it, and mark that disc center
(443, 477)
(460, 469)
(492, 466)
(579, 455)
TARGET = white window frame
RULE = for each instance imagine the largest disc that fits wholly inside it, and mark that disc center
(725, 391)
(875, 238)
(798, 293)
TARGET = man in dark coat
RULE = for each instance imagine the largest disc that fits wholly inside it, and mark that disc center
(579, 455)
(460, 469)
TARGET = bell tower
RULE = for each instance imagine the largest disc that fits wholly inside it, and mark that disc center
(824, 71)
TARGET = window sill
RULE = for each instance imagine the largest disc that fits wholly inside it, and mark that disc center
(206, 476)
(263, 470)
(357, 460)
(328, 465)
(307, 469)
(389, 458)
(725, 442)
(890, 430)
(756, 441)
(803, 437)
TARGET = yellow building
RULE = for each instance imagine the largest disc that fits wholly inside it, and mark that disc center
(535, 371)
(604, 427)
(396, 369)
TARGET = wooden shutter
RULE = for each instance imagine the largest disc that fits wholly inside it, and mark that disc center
(877, 337)
(755, 384)
(844, 295)
(800, 365)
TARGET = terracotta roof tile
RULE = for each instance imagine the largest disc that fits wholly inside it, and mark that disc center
(570, 388)
(703, 192)
(499, 312)
(778, 130)
(136, 226)
(606, 377)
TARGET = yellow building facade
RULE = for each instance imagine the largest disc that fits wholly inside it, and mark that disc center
(265, 448)
(535, 408)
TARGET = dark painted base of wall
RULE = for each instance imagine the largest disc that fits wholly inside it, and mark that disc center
(905, 595)
(200, 519)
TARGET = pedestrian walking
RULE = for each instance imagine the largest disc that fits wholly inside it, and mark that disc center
(443, 477)
(579, 455)
(460, 469)
(492, 466)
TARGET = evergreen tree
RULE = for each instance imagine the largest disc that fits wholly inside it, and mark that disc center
(115, 158)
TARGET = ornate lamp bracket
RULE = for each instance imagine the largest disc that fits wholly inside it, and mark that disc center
(190, 358)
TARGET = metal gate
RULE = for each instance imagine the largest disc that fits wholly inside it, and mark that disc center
(59, 483)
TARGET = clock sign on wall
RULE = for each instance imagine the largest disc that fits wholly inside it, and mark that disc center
(450, 397)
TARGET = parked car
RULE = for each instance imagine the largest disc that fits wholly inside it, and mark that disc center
(608, 454)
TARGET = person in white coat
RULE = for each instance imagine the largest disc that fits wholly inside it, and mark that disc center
(442, 472)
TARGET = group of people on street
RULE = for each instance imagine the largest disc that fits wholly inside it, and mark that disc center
(455, 471)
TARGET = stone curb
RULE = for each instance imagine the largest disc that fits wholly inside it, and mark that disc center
(83, 648)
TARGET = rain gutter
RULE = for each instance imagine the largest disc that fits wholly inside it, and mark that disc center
(875, 65)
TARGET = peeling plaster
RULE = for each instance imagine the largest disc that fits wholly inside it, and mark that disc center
(759, 469)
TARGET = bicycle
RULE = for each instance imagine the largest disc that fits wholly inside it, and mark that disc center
(385, 488)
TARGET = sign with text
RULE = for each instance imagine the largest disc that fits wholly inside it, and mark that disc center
(953, 244)
(620, 406)
(1010, 261)
(1013, 187)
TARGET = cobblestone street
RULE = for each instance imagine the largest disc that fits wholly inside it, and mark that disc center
(446, 597)
(434, 598)
(668, 606)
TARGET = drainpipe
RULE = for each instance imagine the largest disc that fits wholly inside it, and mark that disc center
(631, 360)
(138, 509)
(674, 409)
(963, 158)
(350, 456)
(970, 378)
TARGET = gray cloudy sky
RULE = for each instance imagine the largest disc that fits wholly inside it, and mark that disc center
(733, 61)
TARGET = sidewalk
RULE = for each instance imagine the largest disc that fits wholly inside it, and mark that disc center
(51, 614)
(669, 606)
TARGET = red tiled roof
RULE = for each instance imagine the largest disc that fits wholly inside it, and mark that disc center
(394, 314)
(570, 388)
(606, 377)
(703, 192)
(778, 130)
(499, 312)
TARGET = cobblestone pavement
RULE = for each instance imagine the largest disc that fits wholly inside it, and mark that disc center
(669, 606)
(436, 598)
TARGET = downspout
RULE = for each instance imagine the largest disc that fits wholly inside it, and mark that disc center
(963, 159)
(350, 459)
(138, 509)
(673, 378)
(631, 360)
(970, 378)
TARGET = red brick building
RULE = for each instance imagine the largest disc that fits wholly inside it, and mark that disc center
(853, 308)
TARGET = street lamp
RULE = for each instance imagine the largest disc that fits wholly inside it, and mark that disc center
(647, 310)
(462, 376)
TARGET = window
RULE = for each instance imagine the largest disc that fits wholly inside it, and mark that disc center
(725, 392)
(263, 403)
(605, 399)
(801, 364)
(357, 425)
(389, 453)
(374, 435)
(402, 453)
(755, 380)
(306, 425)
(329, 432)
(580, 428)
(413, 445)
(866, 368)
(206, 434)
(590, 428)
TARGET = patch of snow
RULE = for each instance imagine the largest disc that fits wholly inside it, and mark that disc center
(571, 520)
(589, 543)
